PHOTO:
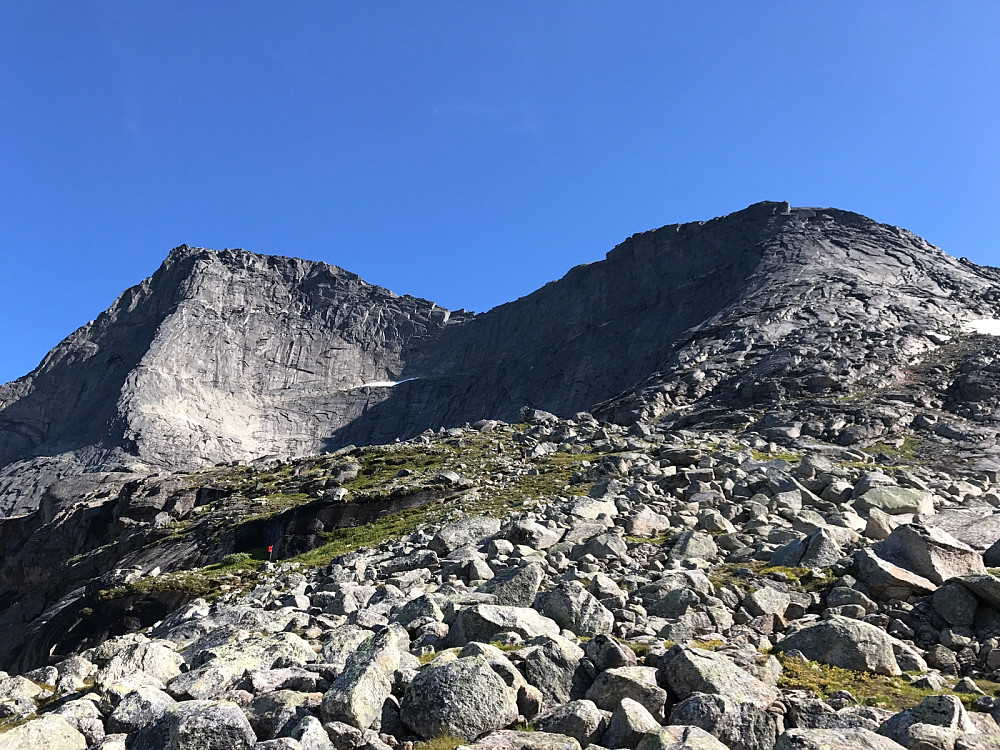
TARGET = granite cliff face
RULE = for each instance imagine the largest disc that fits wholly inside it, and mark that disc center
(233, 356)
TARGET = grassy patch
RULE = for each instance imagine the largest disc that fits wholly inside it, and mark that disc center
(894, 693)
(905, 452)
(350, 538)
(711, 645)
(792, 458)
(446, 742)
(234, 571)
(659, 540)
(744, 575)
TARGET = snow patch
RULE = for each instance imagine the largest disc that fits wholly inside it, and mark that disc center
(989, 326)
(385, 383)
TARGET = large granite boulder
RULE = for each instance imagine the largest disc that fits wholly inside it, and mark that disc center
(460, 697)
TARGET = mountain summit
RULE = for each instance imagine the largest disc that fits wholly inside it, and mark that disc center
(232, 356)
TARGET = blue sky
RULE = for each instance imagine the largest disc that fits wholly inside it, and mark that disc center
(467, 152)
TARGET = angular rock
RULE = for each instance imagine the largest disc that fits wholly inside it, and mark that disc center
(630, 722)
(929, 552)
(43, 733)
(740, 726)
(680, 738)
(508, 739)
(198, 725)
(945, 711)
(463, 533)
(277, 713)
(686, 671)
(552, 664)
(956, 604)
(637, 683)
(139, 709)
(986, 588)
(574, 608)
(581, 720)
(484, 621)
(888, 580)
(896, 500)
(150, 658)
(515, 587)
(357, 695)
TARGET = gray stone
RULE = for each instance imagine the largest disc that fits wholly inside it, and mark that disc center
(630, 722)
(357, 695)
(573, 608)
(508, 739)
(843, 642)
(465, 532)
(929, 552)
(154, 659)
(686, 671)
(139, 709)
(552, 664)
(740, 726)
(693, 544)
(311, 735)
(484, 621)
(834, 739)
(607, 653)
(944, 711)
(888, 580)
(766, 601)
(277, 713)
(342, 642)
(986, 588)
(956, 604)
(198, 725)
(581, 720)
(463, 698)
(637, 683)
(680, 738)
(43, 733)
(515, 587)
(896, 500)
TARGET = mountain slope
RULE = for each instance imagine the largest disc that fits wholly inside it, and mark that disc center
(233, 356)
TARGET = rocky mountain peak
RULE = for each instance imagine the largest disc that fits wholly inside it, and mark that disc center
(231, 355)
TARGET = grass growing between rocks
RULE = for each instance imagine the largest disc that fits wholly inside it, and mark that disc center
(233, 571)
(904, 452)
(350, 538)
(792, 458)
(446, 742)
(869, 689)
(743, 575)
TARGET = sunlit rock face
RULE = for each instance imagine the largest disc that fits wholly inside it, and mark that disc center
(232, 356)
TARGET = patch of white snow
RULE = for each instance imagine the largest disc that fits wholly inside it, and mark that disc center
(989, 326)
(385, 383)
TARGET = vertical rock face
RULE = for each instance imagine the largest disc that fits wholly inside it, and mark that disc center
(216, 357)
(223, 356)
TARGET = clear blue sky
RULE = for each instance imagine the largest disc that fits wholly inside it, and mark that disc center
(467, 152)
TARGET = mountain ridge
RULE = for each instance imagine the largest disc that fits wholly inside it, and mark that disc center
(231, 356)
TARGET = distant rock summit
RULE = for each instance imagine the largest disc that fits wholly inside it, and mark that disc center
(232, 356)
